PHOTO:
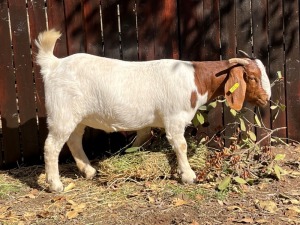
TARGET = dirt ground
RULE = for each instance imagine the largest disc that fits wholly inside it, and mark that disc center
(24, 199)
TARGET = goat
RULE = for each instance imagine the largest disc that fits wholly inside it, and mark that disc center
(114, 95)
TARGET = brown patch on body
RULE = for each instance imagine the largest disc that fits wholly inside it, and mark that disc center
(194, 99)
(209, 77)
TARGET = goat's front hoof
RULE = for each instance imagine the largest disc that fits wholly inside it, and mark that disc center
(188, 177)
(56, 186)
(90, 172)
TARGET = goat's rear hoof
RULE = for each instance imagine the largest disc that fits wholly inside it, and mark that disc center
(188, 177)
(90, 172)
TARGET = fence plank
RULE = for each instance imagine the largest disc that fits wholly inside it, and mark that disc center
(244, 38)
(128, 30)
(228, 50)
(37, 20)
(56, 20)
(74, 26)
(8, 106)
(276, 55)
(191, 25)
(110, 28)
(146, 29)
(92, 26)
(211, 50)
(292, 61)
(260, 48)
(24, 78)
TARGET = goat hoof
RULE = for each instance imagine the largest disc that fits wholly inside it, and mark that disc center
(56, 187)
(188, 177)
(90, 172)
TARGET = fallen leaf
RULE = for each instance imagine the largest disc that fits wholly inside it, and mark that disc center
(69, 187)
(221, 203)
(269, 206)
(72, 214)
(179, 202)
(150, 199)
(79, 208)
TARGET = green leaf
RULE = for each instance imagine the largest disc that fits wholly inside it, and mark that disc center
(132, 149)
(279, 157)
(203, 107)
(200, 118)
(224, 183)
(257, 120)
(252, 135)
(233, 112)
(240, 180)
(277, 170)
(213, 104)
(274, 107)
(279, 75)
(282, 107)
(242, 123)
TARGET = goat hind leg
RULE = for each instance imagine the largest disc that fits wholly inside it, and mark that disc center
(75, 145)
(53, 146)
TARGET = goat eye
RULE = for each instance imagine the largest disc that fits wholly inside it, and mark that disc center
(251, 77)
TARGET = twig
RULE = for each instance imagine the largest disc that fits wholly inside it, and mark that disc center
(269, 134)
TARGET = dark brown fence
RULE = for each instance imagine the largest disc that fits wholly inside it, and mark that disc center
(141, 30)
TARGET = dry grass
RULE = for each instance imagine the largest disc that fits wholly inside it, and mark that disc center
(148, 165)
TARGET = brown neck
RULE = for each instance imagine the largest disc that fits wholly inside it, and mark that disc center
(210, 77)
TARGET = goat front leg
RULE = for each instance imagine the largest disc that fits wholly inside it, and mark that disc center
(75, 145)
(179, 145)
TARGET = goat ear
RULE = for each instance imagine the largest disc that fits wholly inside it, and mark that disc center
(235, 88)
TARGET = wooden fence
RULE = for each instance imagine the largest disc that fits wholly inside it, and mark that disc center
(140, 30)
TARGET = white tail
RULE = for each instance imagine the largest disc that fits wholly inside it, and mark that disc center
(45, 43)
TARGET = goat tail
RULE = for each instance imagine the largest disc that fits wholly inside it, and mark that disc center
(45, 43)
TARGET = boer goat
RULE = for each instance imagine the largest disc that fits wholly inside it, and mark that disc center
(113, 95)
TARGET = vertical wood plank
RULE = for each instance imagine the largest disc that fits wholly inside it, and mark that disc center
(244, 38)
(276, 54)
(211, 49)
(128, 30)
(8, 106)
(292, 61)
(56, 20)
(260, 49)
(191, 25)
(92, 26)
(110, 28)
(146, 29)
(166, 32)
(37, 20)
(24, 78)
(228, 50)
(74, 26)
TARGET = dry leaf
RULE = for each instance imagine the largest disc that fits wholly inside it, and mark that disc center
(69, 187)
(179, 202)
(72, 214)
(79, 208)
(269, 206)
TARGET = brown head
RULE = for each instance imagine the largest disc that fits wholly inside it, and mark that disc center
(247, 80)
